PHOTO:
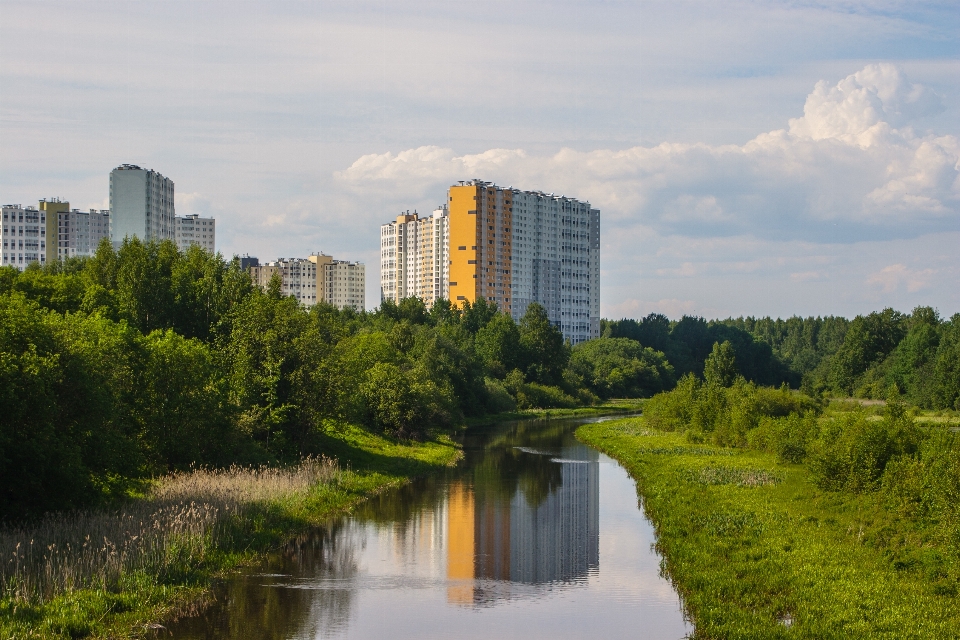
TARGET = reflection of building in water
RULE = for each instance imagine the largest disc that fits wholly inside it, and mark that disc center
(460, 519)
(520, 541)
(560, 538)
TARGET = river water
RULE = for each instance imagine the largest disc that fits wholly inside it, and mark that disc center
(532, 535)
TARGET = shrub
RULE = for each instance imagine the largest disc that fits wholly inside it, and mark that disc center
(725, 415)
(499, 399)
(401, 403)
(788, 437)
(852, 451)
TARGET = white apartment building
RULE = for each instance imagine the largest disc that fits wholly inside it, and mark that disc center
(556, 261)
(318, 278)
(414, 257)
(23, 236)
(141, 202)
(192, 229)
(80, 232)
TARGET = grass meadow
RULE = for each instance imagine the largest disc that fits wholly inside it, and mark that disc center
(757, 550)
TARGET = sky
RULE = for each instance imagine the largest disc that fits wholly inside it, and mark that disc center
(748, 158)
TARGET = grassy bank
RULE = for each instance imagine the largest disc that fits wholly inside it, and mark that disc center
(114, 573)
(758, 551)
(606, 407)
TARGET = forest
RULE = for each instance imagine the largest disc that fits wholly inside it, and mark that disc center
(143, 360)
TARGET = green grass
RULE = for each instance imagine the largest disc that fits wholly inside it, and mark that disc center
(607, 407)
(757, 551)
(371, 465)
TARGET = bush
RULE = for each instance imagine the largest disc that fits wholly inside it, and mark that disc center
(788, 437)
(499, 399)
(853, 451)
(403, 404)
(723, 415)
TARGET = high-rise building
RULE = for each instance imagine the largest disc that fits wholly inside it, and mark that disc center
(318, 278)
(23, 236)
(79, 232)
(506, 246)
(414, 257)
(141, 203)
(345, 285)
(51, 208)
(192, 229)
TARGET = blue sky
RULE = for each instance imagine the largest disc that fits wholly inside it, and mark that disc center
(748, 157)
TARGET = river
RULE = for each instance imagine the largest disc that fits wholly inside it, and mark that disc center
(532, 535)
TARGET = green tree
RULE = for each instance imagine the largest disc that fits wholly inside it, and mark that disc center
(621, 368)
(869, 340)
(498, 345)
(544, 353)
(720, 368)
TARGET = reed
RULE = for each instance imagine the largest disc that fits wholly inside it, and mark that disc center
(185, 517)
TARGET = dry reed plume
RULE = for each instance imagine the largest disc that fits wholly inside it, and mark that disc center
(185, 516)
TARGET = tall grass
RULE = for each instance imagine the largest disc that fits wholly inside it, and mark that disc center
(185, 517)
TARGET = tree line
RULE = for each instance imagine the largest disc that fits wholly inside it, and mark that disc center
(918, 353)
(143, 359)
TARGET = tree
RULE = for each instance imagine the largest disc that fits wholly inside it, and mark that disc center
(720, 368)
(498, 345)
(621, 368)
(544, 353)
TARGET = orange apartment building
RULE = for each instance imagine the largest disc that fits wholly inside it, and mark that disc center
(506, 246)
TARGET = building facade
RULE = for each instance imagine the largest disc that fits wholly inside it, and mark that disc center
(318, 278)
(79, 232)
(414, 257)
(515, 247)
(142, 205)
(51, 209)
(192, 229)
(23, 236)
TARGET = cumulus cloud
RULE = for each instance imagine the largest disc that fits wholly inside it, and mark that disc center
(895, 276)
(852, 167)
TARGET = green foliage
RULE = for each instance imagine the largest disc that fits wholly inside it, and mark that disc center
(403, 404)
(853, 451)
(498, 345)
(720, 367)
(723, 415)
(621, 368)
(688, 342)
(788, 437)
(545, 355)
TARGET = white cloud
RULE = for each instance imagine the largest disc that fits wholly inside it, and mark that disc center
(895, 276)
(850, 167)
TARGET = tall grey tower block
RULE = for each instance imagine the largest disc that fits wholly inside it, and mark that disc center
(141, 205)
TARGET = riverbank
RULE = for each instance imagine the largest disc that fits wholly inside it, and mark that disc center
(605, 408)
(163, 551)
(756, 550)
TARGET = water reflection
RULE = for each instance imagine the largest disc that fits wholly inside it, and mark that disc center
(513, 534)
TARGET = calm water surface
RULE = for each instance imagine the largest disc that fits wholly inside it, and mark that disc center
(533, 535)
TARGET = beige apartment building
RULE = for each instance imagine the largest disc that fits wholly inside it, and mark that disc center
(318, 278)
(414, 257)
